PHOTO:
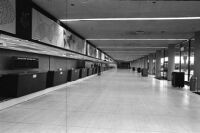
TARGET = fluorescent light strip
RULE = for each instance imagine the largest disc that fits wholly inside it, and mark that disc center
(129, 39)
(128, 51)
(130, 19)
(127, 47)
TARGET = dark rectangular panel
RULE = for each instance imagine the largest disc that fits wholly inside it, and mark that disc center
(23, 19)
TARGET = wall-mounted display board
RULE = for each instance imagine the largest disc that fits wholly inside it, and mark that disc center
(102, 56)
(91, 50)
(74, 43)
(50, 32)
(46, 30)
(8, 16)
(106, 58)
(97, 53)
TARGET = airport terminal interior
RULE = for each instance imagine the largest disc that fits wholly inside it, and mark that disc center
(99, 66)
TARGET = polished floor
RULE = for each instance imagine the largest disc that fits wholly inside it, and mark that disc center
(119, 101)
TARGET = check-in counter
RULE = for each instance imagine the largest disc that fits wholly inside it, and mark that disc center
(16, 85)
(89, 71)
(73, 74)
(83, 73)
(102, 69)
(94, 70)
(56, 78)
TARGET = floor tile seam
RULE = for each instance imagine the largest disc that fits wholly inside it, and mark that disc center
(137, 114)
(122, 129)
(44, 109)
(29, 123)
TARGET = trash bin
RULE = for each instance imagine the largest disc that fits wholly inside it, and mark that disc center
(193, 83)
(144, 72)
(178, 79)
(138, 70)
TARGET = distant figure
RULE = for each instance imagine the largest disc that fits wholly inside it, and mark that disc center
(99, 70)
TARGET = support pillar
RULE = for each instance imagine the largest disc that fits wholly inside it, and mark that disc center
(146, 62)
(158, 63)
(171, 61)
(197, 58)
(151, 64)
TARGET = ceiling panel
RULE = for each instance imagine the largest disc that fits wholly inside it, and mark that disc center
(130, 43)
(131, 8)
(136, 29)
(120, 50)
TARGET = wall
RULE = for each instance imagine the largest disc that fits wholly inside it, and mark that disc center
(123, 65)
(46, 62)
(89, 64)
(66, 64)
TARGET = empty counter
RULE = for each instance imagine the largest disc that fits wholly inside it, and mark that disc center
(178, 79)
(102, 69)
(56, 78)
(94, 70)
(16, 85)
(83, 73)
(73, 74)
(89, 71)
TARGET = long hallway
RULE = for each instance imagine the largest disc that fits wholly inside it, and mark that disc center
(118, 101)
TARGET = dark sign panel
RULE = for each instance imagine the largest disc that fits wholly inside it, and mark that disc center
(23, 18)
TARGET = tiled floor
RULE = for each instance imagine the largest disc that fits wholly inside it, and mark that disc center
(116, 102)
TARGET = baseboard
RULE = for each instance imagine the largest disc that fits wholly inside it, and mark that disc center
(15, 101)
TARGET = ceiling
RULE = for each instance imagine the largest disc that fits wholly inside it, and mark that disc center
(128, 29)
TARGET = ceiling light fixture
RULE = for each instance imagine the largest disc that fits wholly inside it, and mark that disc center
(128, 47)
(122, 51)
(130, 19)
(130, 39)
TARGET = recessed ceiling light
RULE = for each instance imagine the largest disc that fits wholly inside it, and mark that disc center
(132, 47)
(130, 19)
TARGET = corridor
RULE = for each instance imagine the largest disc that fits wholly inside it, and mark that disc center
(118, 101)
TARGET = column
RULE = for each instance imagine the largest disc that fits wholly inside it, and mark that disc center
(197, 58)
(151, 64)
(145, 62)
(158, 57)
(171, 60)
(141, 63)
